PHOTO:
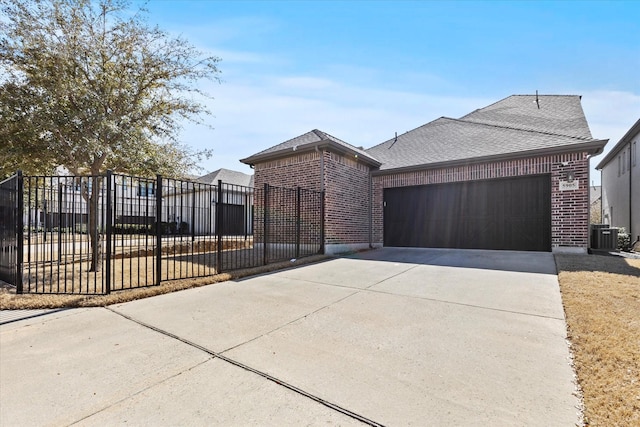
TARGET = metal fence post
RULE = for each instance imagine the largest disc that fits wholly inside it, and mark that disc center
(219, 223)
(246, 216)
(108, 231)
(19, 231)
(158, 229)
(265, 223)
(193, 214)
(60, 222)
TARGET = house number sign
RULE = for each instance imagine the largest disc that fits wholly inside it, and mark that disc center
(569, 185)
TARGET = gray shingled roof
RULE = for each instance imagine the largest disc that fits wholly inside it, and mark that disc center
(228, 177)
(448, 140)
(512, 126)
(558, 114)
(516, 125)
(307, 140)
(595, 192)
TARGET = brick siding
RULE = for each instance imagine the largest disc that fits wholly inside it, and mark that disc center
(346, 200)
(346, 183)
(346, 186)
(301, 170)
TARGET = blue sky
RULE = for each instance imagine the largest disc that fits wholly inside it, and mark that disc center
(362, 70)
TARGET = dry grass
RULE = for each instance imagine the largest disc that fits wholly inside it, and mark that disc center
(601, 297)
(10, 301)
(138, 268)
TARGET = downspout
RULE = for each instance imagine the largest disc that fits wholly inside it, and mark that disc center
(589, 203)
(601, 197)
(630, 195)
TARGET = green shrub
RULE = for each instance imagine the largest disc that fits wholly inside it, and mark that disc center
(624, 239)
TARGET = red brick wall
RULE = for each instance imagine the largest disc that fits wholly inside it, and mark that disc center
(301, 170)
(569, 209)
(346, 200)
(346, 185)
(298, 170)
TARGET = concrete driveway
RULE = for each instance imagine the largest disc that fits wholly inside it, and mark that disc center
(390, 337)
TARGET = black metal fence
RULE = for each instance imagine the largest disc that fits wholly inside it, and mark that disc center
(10, 232)
(98, 234)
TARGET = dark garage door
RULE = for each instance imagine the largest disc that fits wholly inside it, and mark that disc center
(512, 214)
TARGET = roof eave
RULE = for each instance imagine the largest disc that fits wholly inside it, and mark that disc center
(594, 147)
(313, 146)
(623, 141)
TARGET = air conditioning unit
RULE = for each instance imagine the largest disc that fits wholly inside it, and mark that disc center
(603, 237)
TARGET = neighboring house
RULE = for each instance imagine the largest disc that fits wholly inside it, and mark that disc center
(513, 175)
(595, 203)
(58, 201)
(193, 203)
(237, 199)
(620, 172)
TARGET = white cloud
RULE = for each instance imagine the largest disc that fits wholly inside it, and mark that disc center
(253, 114)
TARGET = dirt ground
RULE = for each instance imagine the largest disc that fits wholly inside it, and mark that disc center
(10, 301)
(601, 297)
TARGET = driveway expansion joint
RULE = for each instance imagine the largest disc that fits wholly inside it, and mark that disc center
(289, 323)
(368, 289)
(143, 389)
(247, 368)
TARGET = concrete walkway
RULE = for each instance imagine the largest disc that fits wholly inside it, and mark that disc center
(389, 337)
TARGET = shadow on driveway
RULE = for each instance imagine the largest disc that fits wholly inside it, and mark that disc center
(525, 262)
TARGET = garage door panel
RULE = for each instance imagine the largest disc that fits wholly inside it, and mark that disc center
(512, 213)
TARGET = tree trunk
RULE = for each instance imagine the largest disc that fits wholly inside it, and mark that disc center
(94, 232)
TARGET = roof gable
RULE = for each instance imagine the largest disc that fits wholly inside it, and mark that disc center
(309, 141)
(227, 176)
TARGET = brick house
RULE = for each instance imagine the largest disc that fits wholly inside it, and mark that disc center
(513, 175)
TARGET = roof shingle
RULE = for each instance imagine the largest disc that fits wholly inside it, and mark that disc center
(308, 139)
(555, 114)
(514, 125)
(228, 177)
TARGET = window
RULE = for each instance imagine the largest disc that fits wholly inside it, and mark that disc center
(635, 153)
(146, 189)
(619, 163)
(624, 160)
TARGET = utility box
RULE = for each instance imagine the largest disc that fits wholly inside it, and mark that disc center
(603, 237)
(594, 234)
